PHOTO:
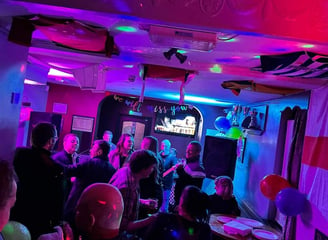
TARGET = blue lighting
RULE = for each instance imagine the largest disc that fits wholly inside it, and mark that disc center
(189, 98)
(225, 60)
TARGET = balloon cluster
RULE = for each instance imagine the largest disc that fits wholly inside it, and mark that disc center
(223, 124)
(288, 200)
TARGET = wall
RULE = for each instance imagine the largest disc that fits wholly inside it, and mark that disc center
(260, 157)
(85, 103)
(115, 106)
(12, 71)
(37, 96)
(82, 103)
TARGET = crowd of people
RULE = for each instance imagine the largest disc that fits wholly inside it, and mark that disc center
(116, 193)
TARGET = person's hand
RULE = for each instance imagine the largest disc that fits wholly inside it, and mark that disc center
(150, 203)
(153, 203)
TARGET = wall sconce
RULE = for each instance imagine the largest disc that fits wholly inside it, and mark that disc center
(180, 57)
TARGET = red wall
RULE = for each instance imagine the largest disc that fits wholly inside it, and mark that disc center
(79, 102)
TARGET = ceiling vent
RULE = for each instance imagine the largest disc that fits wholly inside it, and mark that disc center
(182, 38)
(91, 77)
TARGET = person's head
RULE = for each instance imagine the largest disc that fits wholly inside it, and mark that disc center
(224, 187)
(99, 211)
(100, 148)
(8, 188)
(125, 143)
(71, 143)
(44, 135)
(166, 146)
(142, 163)
(195, 204)
(108, 136)
(193, 149)
(150, 143)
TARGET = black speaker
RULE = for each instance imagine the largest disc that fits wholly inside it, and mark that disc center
(219, 156)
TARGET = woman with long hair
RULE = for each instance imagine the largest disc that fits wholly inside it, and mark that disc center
(124, 147)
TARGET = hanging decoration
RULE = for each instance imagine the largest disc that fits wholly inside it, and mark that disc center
(222, 124)
(234, 132)
(237, 86)
(66, 32)
(135, 106)
(169, 73)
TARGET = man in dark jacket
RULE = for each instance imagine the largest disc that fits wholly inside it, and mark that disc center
(191, 172)
(68, 156)
(95, 170)
(40, 192)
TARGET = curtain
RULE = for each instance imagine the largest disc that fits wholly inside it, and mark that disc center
(294, 161)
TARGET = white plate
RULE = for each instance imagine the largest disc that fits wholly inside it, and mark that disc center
(224, 219)
(264, 234)
(250, 222)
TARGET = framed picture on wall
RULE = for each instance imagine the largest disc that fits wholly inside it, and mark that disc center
(82, 124)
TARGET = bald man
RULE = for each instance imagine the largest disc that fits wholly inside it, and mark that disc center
(99, 212)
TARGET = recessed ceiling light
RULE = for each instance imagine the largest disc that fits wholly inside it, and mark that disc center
(307, 46)
(216, 69)
(126, 29)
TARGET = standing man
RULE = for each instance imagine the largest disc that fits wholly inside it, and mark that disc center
(40, 193)
(68, 156)
(168, 161)
(108, 137)
(142, 163)
(97, 169)
(191, 172)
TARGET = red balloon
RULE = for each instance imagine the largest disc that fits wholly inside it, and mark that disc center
(272, 184)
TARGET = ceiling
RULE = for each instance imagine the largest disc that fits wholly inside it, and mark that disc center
(239, 41)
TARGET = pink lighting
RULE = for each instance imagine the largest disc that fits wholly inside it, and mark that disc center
(56, 73)
(22, 68)
(31, 82)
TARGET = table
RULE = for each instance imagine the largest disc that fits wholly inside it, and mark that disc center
(217, 229)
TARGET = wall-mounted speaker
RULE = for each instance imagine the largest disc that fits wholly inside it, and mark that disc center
(219, 156)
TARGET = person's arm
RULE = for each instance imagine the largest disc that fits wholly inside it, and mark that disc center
(76, 170)
(135, 225)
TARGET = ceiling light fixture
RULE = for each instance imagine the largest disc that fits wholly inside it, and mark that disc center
(180, 57)
(170, 53)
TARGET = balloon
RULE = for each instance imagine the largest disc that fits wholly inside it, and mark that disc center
(290, 202)
(221, 123)
(15, 231)
(272, 184)
(234, 132)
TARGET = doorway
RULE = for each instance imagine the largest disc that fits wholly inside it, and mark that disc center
(137, 126)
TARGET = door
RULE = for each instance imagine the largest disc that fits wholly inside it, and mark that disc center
(137, 126)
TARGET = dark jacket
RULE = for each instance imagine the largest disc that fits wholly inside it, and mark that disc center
(65, 159)
(190, 174)
(94, 170)
(219, 205)
(40, 193)
(169, 226)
